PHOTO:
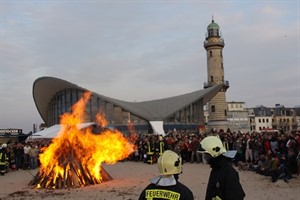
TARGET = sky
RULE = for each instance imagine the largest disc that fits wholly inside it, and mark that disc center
(146, 50)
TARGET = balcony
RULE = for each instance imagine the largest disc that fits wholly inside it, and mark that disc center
(209, 84)
(218, 43)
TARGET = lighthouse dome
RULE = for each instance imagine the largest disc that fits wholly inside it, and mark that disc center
(213, 25)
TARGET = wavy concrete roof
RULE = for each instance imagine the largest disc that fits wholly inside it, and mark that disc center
(45, 87)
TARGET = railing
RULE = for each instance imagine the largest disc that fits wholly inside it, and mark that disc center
(206, 84)
(220, 42)
(209, 84)
(226, 83)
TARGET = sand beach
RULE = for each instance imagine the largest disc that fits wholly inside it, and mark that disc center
(130, 178)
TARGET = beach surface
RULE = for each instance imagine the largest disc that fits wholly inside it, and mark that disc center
(130, 178)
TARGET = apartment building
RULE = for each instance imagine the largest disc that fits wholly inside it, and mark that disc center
(238, 117)
(277, 118)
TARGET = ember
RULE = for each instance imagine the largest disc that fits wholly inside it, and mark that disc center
(74, 157)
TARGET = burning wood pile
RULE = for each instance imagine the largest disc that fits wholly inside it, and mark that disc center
(74, 157)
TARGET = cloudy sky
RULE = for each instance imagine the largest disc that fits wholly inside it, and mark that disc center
(144, 50)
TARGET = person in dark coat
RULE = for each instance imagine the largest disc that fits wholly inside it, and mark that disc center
(223, 183)
(166, 185)
(3, 159)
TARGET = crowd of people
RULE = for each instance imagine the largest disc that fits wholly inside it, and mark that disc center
(19, 155)
(274, 154)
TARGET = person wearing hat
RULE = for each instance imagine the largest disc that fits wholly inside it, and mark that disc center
(3, 159)
(223, 183)
(166, 185)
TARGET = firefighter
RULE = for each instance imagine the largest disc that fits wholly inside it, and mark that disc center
(223, 183)
(150, 151)
(161, 145)
(166, 185)
(3, 159)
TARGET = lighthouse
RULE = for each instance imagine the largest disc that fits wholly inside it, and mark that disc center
(217, 106)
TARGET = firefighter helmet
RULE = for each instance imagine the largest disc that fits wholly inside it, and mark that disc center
(169, 163)
(212, 145)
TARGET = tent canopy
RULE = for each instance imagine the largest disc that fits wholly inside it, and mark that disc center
(53, 131)
(158, 127)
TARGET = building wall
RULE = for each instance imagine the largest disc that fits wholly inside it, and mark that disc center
(263, 122)
(297, 122)
(278, 118)
(215, 69)
(245, 119)
(238, 117)
(218, 107)
(187, 117)
(284, 123)
(236, 106)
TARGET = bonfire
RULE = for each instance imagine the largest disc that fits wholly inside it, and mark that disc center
(74, 157)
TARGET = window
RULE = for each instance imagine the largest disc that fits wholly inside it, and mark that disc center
(221, 65)
(213, 109)
(210, 53)
(267, 120)
(211, 79)
(259, 120)
(221, 54)
(225, 112)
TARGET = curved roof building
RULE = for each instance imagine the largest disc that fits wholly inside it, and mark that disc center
(53, 97)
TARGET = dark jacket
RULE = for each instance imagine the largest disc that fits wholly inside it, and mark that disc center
(223, 181)
(175, 192)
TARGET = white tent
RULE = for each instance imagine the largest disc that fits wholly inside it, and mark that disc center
(157, 127)
(53, 131)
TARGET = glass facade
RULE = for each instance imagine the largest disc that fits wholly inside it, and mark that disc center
(193, 114)
(188, 117)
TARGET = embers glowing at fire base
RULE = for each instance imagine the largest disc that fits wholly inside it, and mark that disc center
(74, 157)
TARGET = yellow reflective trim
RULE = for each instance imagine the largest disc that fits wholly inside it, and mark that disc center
(149, 152)
(161, 145)
(216, 198)
(163, 194)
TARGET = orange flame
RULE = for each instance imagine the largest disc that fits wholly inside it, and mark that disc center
(82, 146)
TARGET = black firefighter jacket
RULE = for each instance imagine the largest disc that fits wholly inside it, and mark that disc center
(224, 183)
(175, 192)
